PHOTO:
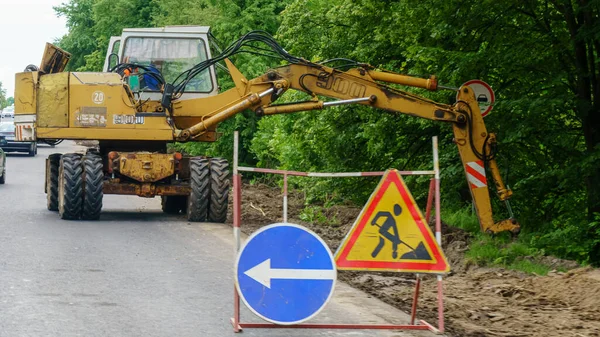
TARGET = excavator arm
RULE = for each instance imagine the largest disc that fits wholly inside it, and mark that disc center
(366, 86)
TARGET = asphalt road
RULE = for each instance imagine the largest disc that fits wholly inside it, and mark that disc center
(136, 272)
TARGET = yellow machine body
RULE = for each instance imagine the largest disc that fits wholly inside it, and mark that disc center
(103, 107)
(76, 105)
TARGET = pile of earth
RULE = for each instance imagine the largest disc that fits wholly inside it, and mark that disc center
(478, 301)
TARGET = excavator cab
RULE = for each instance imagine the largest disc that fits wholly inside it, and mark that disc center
(167, 52)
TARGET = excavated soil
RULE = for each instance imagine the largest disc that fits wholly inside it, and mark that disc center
(478, 301)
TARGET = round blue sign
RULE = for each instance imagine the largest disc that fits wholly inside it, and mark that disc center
(285, 273)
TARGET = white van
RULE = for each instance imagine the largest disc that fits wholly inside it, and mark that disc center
(8, 112)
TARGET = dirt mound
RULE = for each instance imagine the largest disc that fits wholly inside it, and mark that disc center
(478, 301)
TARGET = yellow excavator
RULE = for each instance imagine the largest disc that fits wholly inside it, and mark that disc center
(159, 86)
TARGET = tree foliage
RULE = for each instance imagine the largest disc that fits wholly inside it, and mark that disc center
(3, 100)
(541, 57)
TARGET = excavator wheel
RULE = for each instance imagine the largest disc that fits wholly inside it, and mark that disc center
(197, 201)
(52, 169)
(70, 187)
(219, 190)
(174, 204)
(93, 178)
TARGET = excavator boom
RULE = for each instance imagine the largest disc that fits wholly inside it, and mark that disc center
(373, 88)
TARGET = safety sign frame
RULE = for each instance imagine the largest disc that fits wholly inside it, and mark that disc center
(433, 204)
(403, 223)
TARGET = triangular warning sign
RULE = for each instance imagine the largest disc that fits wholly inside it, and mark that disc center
(390, 234)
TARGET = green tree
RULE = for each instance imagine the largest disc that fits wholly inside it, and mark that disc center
(91, 23)
(540, 57)
(79, 41)
(3, 101)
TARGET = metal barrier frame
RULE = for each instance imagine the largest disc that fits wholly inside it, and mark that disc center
(432, 199)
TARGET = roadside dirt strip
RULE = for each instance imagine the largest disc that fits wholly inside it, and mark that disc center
(479, 301)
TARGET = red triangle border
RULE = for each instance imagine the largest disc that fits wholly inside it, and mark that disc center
(441, 266)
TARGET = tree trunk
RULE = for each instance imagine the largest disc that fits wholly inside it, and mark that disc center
(591, 127)
(586, 92)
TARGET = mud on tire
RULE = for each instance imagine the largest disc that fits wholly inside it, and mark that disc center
(93, 179)
(219, 190)
(70, 187)
(197, 201)
(52, 169)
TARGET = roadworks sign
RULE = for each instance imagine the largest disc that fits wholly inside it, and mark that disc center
(391, 234)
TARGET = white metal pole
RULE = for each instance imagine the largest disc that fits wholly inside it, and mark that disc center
(237, 219)
(436, 169)
(236, 194)
(438, 231)
(285, 198)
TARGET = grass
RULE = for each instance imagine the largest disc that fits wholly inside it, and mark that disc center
(503, 251)
(463, 218)
(531, 267)
(315, 215)
(497, 251)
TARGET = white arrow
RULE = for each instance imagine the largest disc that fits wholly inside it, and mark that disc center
(263, 273)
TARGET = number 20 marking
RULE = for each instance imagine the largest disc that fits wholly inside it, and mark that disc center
(98, 97)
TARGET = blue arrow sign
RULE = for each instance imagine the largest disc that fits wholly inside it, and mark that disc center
(285, 273)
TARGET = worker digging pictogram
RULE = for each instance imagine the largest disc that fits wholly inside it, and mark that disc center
(389, 231)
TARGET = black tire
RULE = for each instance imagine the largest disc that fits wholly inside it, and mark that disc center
(174, 204)
(197, 201)
(3, 178)
(70, 187)
(52, 142)
(93, 179)
(52, 181)
(219, 190)
(33, 149)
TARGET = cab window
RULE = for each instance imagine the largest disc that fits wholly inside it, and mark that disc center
(115, 50)
(171, 56)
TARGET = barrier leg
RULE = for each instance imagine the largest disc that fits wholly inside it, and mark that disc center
(235, 320)
(440, 298)
(430, 200)
(413, 311)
